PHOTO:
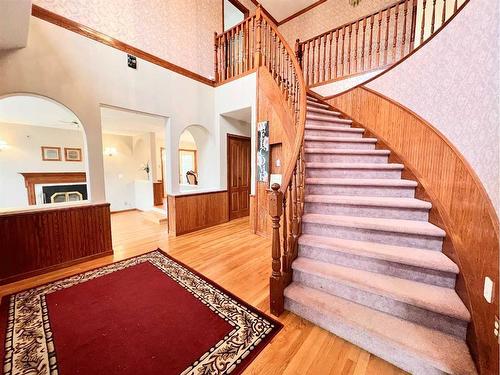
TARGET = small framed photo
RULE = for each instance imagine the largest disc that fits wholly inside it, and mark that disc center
(51, 153)
(72, 154)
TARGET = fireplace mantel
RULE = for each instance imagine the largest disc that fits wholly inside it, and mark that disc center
(33, 178)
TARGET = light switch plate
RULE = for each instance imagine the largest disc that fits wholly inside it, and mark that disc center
(488, 289)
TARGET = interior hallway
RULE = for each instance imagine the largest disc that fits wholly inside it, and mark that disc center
(239, 261)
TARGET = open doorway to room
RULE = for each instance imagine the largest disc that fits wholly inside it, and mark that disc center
(237, 127)
(134, 161)
(43, 156)
(233, 13)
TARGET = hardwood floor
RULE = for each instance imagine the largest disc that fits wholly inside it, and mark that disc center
(240, 262)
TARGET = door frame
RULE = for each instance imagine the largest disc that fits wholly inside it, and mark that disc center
(249, 139)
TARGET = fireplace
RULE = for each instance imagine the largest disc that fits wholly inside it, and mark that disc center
(64, 193)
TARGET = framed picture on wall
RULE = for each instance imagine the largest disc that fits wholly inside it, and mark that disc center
(50, 153)
(263, 151)
(72, 154)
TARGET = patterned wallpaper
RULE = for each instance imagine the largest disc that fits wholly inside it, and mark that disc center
(455, 86)
(180, 31)
(326, 16)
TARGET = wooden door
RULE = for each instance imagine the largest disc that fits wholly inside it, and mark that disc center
(238, 176)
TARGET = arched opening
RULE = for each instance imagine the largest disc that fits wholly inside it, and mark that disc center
(195, 152)
(43, 154)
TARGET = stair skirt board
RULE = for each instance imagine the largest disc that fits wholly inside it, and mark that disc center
(386, 267)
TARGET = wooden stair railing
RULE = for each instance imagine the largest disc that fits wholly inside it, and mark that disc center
(372, 42)
(254, 43)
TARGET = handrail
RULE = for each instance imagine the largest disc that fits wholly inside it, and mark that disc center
(256, 42)
(374, 41)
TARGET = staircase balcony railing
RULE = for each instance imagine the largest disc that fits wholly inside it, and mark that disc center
(251, 44)
(372, 42)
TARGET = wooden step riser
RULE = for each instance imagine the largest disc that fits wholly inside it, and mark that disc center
(317, 105)
(322, 112)
(368, 191)
(385, 304)
(370, 235)
(336, 158)
(332, 133)
(367, 211)
(364, 339)
(403, 271)
(340, 145)
(353, 173)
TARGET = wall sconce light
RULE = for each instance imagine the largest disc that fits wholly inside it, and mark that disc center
(3, 145)
(110, 151)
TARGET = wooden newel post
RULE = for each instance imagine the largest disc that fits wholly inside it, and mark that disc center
(258, 37)
(276, 279)
(216, 66)
(298, 51)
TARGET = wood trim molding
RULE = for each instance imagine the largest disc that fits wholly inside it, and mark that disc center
(460, 205)
(31, 179)
(301, 12)
(80, 29)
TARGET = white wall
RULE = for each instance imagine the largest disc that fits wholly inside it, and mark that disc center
(232, 15)
(83, 74)
(230, 97)
(24, 155)
(453, 82)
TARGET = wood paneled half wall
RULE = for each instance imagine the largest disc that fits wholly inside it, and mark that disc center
(188, 212)
(38, 241)
(461, 205)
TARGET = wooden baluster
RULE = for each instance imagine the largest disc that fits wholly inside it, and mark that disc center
(276, 281)
(343, 52)
(312, 64)
(422, 27)
(336, 53)
(349, 51)
(318, 78)
(295, 222)
(308, 75)
(388, 21)
(247, 47)
(363, 46)
(433, 19)
(238, 49)
(297, 52)
(356, 47)
(378, 37)
(289, 80)
(258, 41)
(372, 21)
(455, 6)
(330, 56)
(443, 16)
(413, 26)
(216, 62)
(290, 221)
(403, 38)
(324, 56)
(395, 37)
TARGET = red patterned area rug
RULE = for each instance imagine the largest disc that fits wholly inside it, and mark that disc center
(146, 315)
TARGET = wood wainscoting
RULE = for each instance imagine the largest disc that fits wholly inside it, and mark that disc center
(190, 212)
(38, 241)
(458, 198)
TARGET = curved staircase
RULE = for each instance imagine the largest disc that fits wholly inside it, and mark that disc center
(370, 267)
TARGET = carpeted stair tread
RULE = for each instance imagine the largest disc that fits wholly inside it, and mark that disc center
(434, 260)
(339, 139)
(317, 104)
(383, 182)
(315, 150)
(334, 128)
(378, 166)
(434, 298)
(422, 228)
(367, 328)
(323, 111)
(395, 202)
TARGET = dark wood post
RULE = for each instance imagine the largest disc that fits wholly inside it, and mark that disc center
(216, 66)
(298, 51)
(276, 279)
(258, 37)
